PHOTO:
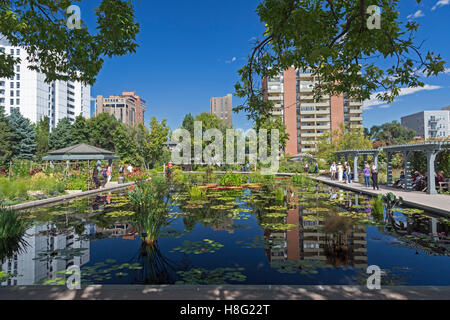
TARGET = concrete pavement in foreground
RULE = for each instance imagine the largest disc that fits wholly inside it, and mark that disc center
(225, 292)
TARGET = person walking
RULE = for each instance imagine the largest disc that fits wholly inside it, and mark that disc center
(340, 171)
(105, 176)
(108, 174)
(306, 167)
(316, 168)
(375, 177)
(348, 171)
(366, 172)
(333, 171)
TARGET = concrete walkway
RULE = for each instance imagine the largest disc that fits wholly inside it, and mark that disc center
(437, 203)
(225, 292)
(50, 201)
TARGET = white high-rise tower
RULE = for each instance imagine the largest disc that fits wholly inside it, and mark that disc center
(35, 98)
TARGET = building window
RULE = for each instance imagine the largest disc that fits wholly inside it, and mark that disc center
(17, 85)
(17, 101)
(18, 51)
(11, 101)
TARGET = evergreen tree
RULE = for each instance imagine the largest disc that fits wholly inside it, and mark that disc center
(5, 138)
(62, 135)
(80, 130)
(42, 137)
(23, 136)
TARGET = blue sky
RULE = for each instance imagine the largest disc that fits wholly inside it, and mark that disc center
(190, 51)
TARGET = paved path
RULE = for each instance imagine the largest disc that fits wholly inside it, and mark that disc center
(225, 292)
(67, 197)
(436, 203)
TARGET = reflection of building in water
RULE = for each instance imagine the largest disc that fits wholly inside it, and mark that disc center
(30, 267)
(308, 241)
(124, 230)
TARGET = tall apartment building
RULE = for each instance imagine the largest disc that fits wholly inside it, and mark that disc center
(128, 108)
(222, 107)
(429, 124)
(35, 98)
(306, 119)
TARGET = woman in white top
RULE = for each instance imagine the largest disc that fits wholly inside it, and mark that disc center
(340, 170)
(333, 171)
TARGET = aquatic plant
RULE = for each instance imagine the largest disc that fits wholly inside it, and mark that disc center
(199, 247)
(12, 232)
(196, 193)
(377, 207)
(232, 179)
(217, 276)
(301, 180)
(149, 201)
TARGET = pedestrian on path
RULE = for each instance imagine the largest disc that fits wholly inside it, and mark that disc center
(349, 173)
(333, 170)
(108, 174)
(366, 172)
(316, 168)
(375, 177)
(340, 170)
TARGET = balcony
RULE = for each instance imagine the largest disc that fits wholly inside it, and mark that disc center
(356, 118)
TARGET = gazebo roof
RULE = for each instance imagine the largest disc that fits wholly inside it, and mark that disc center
(80, 151)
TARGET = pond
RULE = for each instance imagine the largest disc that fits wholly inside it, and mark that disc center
(281, 234)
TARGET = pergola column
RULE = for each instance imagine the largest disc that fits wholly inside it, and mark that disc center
(375, 160)
(365, 159)
(389, 168)
(431, 157)
(355, 167)
(407, 165)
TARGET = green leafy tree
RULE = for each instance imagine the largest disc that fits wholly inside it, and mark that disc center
(80, 130)
(5, 138)
(392, 133)
(102, 129)
(336, 41)
(42, 137)
(125, 145)
(270, 123)
(58, 50)
(159, 132)
(61, 136)
(23, 141)
(341, 139)
(188, 123)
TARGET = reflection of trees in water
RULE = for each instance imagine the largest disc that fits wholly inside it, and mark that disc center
(13, 229)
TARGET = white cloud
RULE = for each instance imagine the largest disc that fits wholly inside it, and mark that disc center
(373, 101)
(440, 3)
(417, 14)
(384, 106)
(231, 61)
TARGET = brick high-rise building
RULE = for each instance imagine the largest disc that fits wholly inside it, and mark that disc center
(140, 105)
(128, 108)
(305, 118)
(222, 107)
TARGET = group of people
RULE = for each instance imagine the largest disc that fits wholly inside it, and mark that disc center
(316, 167)
(106, 173)
(343, 173)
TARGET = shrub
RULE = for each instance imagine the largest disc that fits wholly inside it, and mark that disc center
(232, 179)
